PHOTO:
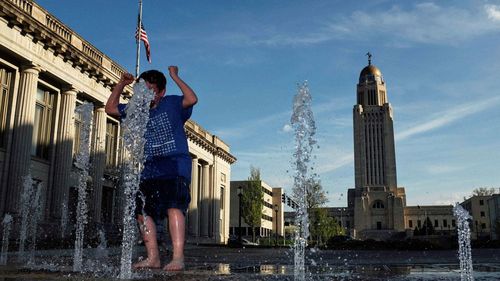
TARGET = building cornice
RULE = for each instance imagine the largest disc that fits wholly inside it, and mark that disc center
(45, 29)
(207, 141)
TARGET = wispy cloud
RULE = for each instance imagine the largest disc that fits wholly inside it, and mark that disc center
(252, 126)
(426, 23)
(442, 169)
(449, 116)
(422, 23)
(333, 162)
(493, 12)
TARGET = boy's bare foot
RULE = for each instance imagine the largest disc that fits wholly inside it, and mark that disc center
(147, 263)
(175, 265)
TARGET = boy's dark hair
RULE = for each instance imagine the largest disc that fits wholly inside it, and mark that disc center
(154, 77)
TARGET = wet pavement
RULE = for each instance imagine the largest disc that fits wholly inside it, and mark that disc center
(223, 263)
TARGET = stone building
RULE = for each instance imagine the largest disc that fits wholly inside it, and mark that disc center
(46, 70)
(482, 215)
(272, 221)
(494, 214)
(377, 200)
(377, 205)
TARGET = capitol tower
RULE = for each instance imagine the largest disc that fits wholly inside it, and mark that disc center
(378, 203)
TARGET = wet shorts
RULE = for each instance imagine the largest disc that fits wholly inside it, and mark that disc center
(156, 196)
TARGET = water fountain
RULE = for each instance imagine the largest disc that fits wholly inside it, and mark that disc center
(36, 213)
(64, 219)
(134, 127)
(302, 121)
(221, 263)
(464, 247)
(101, 252)
(26, 212)
(82, 164)
(6, 225)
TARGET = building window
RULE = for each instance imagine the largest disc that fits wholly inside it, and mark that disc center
(483, 225)
(436, 223)
(482, 214)
(42, 127)
(222, 196)
(379, 225)
(5, 89)
(111, 144)
(378, 205)
(107, 204)
(453, 223)
(445, 223)
(481, 202)
(410, 223)
(419, 223)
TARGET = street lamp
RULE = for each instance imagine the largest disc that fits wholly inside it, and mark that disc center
(276, 218)
(239, 213)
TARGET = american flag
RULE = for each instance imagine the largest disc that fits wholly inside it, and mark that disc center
(144, 38)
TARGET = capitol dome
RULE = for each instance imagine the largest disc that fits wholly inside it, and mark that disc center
(370, 74)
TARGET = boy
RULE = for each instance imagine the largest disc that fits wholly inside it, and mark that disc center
(166, 176)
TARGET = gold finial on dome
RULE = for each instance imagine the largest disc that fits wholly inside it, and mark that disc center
(369, 58)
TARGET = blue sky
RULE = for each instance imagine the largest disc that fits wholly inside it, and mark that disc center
(244, 59)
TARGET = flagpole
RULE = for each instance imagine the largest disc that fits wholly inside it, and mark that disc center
(138, 39)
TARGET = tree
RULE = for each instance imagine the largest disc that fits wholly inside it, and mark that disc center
(252, 201)
(316, 196)
(428, 228)
(484, 191)
(320, 225)
(323, 227)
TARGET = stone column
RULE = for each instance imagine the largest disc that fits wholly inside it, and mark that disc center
(22, 135)
(64, 154)
(204, 201)
(98, 161)
(216, 204)
(194, 208)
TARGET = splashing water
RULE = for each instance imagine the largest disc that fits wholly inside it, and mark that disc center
(134, 127)
(6, 225)
(36, 213)
(302, 121)
(82, 164)
(26, 211)
(64, 219)
(102, 248)
(464, 248)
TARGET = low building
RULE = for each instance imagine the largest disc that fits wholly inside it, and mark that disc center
(494, 214)
(478, 208)
(272, 219)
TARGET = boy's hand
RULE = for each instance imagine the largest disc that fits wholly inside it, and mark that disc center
(173, 71)
(126, 78)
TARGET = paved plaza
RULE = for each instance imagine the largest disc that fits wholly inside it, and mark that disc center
(223, 263)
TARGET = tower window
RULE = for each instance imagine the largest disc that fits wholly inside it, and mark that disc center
(378, 205)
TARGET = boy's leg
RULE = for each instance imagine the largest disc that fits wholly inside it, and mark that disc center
(148, 231)
(176, 226)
